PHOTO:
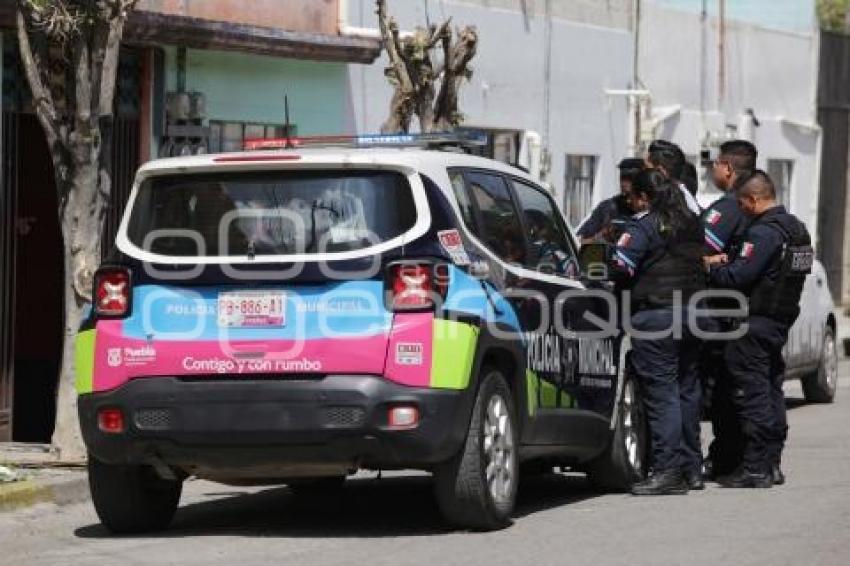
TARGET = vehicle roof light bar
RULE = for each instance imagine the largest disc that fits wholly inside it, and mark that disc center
(431, 140)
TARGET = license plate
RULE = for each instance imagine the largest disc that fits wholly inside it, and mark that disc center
(245, 309)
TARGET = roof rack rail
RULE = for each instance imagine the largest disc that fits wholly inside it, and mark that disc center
(434, 140)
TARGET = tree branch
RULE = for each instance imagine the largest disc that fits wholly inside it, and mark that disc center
(83, 84)
(458, 57)
(45, 108)
(389, 31)
(110, 62)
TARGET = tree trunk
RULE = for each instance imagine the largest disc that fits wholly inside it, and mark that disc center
(401, 112)
(67, 440)
(81, 220)
(78, 125)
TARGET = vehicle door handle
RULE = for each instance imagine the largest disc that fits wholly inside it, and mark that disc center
(820, 282)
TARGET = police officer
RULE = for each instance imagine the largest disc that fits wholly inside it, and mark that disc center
(606, 221)
(657, 260)
(690, 179)
(770, 268)
(669, 158)
(725, 224)
(724, 221)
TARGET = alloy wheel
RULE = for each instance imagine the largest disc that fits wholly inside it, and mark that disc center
(632, 423)
(499, 451)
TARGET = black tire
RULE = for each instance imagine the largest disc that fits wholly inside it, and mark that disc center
(624, 461)
(132, 499)
(463, 492)
(821, 385)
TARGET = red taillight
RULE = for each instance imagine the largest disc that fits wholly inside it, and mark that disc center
(110, 421)
(417, 286)
(412, 286)
(112, 292)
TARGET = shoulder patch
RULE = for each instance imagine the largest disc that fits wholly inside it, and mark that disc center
(747, 250)
(624, 240)
(713, 217)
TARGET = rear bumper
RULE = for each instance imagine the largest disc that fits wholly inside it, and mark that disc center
(244, 428)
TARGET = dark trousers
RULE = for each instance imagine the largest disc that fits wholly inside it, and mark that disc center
(755, 370)
(727, 446)
(667, 372)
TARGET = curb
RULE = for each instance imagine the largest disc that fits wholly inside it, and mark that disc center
(29, 492)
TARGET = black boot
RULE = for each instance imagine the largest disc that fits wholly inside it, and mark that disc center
(776, 475)
(694, 479)
(744, 478)
(669, 482)
(712, 470)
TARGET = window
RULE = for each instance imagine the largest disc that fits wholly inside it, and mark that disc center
(502, 145)
(782, 173)
(231, 136)
(466, 210)
(550, 250)
(500, 229)
(238, 214)
(580, 176)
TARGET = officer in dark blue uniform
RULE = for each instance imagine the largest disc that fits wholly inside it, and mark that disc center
(770, 269)
(724, 224)
(607, 220)
(656, 260)
(669, 158)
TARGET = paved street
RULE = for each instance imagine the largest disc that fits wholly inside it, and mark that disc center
(394, 521)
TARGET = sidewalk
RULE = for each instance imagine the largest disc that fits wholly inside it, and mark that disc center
(29, 475)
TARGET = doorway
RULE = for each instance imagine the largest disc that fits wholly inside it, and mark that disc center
(37, 326)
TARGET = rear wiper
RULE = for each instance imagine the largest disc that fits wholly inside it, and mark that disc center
(252, 249)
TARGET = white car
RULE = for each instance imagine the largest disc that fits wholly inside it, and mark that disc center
(811, 354)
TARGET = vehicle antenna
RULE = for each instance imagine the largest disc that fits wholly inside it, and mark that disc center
(287, 126)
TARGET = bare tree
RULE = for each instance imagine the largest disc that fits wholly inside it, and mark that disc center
(418, 63)
(70, 50)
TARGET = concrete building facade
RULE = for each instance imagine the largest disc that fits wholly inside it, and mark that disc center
(564, 70)
(753, 79)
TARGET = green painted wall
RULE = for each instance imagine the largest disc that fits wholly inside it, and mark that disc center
(250, 88)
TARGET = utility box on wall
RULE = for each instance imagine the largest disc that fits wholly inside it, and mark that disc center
(185, 133)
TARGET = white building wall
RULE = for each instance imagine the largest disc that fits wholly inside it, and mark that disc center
(771, 71)
(509, 86)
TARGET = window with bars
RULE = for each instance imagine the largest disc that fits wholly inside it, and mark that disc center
(579, 178)
(231, 136)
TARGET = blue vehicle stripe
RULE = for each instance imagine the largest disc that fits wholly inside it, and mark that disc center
(348, 309)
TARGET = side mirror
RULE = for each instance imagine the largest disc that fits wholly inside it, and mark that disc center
(593, 260)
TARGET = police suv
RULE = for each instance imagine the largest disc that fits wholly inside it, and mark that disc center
(292, 316)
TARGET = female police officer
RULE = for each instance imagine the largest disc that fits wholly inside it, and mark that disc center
(657, 262)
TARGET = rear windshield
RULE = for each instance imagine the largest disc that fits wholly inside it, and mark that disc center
(280, 213)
